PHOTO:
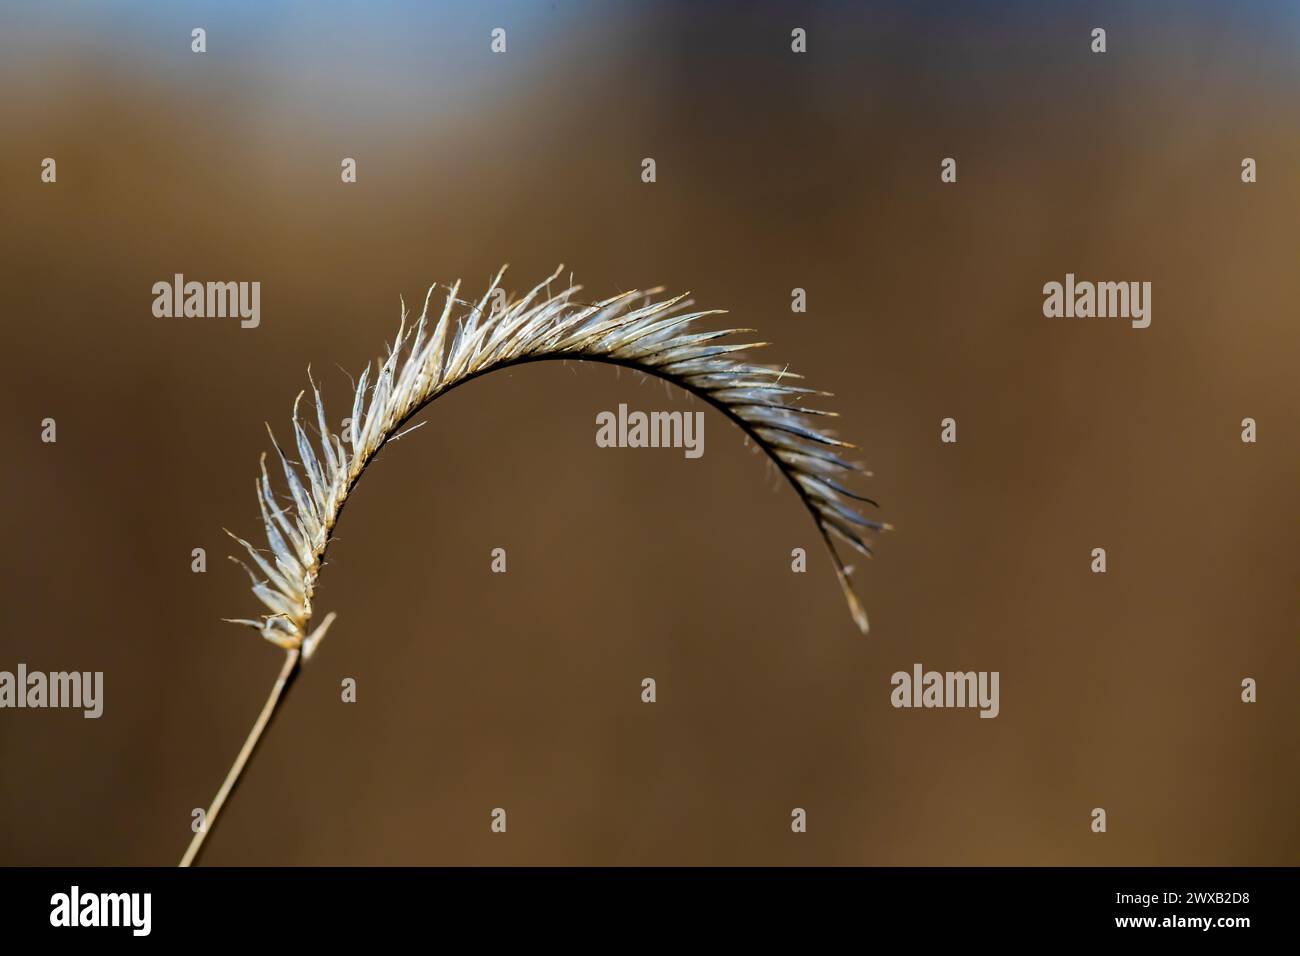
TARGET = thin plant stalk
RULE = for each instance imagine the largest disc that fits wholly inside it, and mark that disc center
(292, 659)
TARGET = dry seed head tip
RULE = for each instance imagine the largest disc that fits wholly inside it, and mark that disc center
(465, 340)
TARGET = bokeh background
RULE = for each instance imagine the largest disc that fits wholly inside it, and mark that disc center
(775, 171)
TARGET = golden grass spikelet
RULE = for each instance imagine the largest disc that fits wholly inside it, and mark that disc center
(429, 359)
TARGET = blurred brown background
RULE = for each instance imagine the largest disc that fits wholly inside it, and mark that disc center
(775, 171)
